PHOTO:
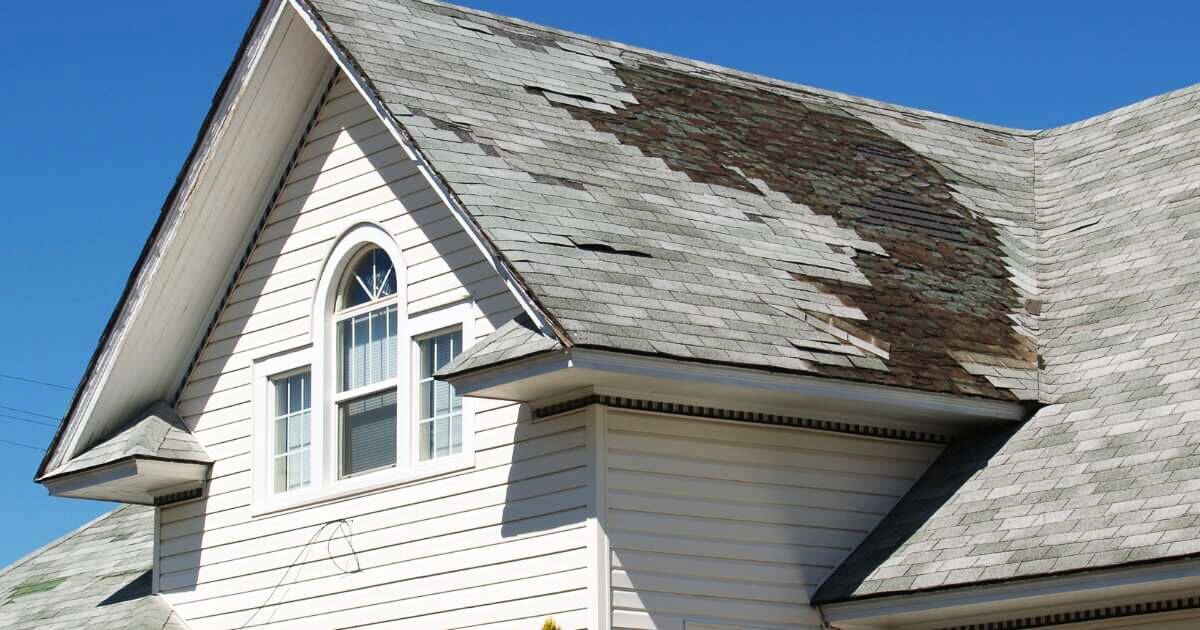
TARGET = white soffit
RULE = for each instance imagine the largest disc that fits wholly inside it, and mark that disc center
(205, 228)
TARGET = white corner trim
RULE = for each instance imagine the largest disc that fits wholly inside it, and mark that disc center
(599, 547)
(97, 377)
(459, 213)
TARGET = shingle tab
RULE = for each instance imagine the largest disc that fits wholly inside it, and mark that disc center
(155, 432)
(1107, 473)
(660, 205)
(95, 577)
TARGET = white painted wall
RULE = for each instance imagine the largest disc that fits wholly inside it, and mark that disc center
(717, 525)
(501, 545)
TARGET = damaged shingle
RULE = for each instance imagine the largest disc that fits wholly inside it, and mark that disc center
(557, 181)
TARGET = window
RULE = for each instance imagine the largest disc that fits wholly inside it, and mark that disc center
(359, 408)
(367, 329)
(439, 408)
(292, 431)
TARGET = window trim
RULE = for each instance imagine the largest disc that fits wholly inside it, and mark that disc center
(321, 358)
(264, 370)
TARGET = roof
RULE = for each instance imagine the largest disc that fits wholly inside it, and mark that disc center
(95, 577)
(519, 338)
(157, 432)
(658, 205)
(653, 204)
(1110, 473)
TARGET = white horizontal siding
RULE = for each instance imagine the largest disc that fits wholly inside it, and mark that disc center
(500, 545)
(735, 525)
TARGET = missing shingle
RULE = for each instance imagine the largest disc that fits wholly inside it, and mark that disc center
(609, 249)
(594, 246)
(471, 26)
(757, 218)
(537, 89)
(557, 181)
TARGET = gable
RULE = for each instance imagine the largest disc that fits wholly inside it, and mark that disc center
(347, 171)
(202, 231)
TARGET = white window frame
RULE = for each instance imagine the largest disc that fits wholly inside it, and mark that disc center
(265, 370)
(321, 357)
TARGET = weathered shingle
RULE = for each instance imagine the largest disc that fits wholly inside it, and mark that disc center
(660, 205)
(95, 577)
(517, 339)
(156, 432)
(1109, 472)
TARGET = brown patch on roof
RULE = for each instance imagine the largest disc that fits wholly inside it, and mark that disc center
(943, 285)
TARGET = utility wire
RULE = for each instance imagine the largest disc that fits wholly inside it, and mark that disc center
(31, 413)
(40, 423)
(35, 381)
(29, 446)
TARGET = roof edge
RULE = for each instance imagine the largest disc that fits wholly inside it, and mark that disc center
(989, 598)
(155, 232)
(362, 82)
(817, 600)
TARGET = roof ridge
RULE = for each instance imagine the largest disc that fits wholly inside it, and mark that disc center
(736, 73)
(1130, 108)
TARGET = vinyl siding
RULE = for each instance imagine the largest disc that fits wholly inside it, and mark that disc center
(722, 525)
(499, 545)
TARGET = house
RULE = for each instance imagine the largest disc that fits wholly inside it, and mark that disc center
(456, 321)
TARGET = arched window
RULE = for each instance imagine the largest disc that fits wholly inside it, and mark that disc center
(363, 398)
(367, 339)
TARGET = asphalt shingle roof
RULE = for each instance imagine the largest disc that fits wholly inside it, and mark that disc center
(1109, 473)
(95, 577)
(156, 432)
(517, 339)
(662, 205)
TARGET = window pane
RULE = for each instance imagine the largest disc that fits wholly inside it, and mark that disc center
(368, 433)
(292, 431)
(438, 406)
(371, 278)
(368, 348)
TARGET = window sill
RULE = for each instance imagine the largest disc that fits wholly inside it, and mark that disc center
(363, 484)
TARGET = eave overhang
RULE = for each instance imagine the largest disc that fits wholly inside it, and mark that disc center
(140, 479)
(1145, 588)
(559, 374)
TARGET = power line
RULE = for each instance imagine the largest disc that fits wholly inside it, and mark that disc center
(29, 420)
(22, 445)
(32, 413)
(35, 381)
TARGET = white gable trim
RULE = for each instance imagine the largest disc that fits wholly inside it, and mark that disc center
(269, 30)
(528, 304)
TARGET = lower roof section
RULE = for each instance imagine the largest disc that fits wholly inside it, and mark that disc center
(95, 577)
(1112, 593)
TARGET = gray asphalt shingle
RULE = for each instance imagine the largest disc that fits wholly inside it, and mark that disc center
(663, 205)
(95, 577)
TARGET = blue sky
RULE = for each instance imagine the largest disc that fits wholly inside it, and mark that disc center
(104, 100)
